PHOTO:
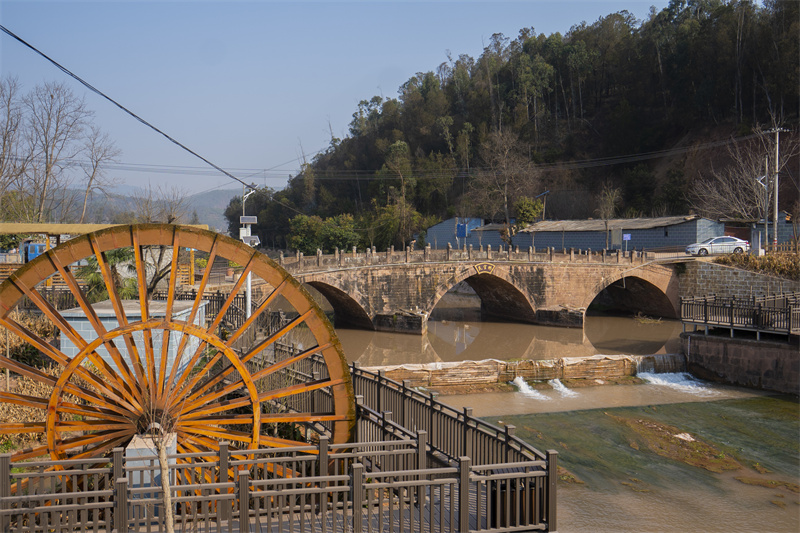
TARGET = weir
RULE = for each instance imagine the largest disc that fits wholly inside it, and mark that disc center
(493, 372)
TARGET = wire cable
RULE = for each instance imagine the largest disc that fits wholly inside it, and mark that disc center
(123, 108)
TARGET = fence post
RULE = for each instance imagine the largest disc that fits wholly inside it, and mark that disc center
(5, 488)
(406, 408)
(121, 504)
(510, 430)
(356, 495)
(322, 460)
(463, 495)
(422, 464)
(359, 407)
(552, 480)
(386, 419)
(244, 501)
(467, 432)
(381, 379)
(119, 463)
(223, 507)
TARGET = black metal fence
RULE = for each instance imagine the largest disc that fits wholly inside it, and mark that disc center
(777, 314)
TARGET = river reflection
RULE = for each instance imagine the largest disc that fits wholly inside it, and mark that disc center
(456, 333)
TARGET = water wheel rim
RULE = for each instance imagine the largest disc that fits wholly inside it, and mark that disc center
(134, 381)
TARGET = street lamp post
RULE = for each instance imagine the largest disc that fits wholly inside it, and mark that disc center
(250, 240)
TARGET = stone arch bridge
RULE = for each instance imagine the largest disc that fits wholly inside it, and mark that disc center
(396, 291)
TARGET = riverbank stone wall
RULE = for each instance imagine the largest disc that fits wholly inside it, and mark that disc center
(704, 278)
(765, 365)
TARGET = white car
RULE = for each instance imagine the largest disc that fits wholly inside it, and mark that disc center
(719, 245)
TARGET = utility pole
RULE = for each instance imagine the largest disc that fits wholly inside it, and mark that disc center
(777, 132)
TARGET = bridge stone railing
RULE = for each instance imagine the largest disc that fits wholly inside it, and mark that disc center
(299, 263)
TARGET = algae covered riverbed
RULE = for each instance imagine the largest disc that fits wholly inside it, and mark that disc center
(710, 466)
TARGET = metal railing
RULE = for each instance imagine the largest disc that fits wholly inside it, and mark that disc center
(766, 314)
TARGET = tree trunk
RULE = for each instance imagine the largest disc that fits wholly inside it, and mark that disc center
(166, 491)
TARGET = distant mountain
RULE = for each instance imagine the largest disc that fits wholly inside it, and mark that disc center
(210, 207)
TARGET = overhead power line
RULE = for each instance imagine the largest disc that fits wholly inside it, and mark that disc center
(123, 108)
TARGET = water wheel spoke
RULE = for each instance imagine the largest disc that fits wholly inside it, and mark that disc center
(10, 428)
(206, 397)
(253, 317)
(230, 435)
(221, 374)
(63, 360)
(298, 388)
(119, 311)
(258, 348)
(76, 390)
(67, 426)
(165, 339)
(94, 320)
(276, 418)
(144, 310)
(106, 445)
(92, 442)
(241, 418)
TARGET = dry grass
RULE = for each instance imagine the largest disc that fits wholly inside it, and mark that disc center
(785, 265)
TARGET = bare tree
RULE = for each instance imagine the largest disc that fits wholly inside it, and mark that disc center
(610, 198)
(99, 149)
(165, 205)
(508, 174)
(741, 187)
(11, 164)
(57, 119)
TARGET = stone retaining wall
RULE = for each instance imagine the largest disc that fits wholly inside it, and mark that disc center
(773, 366)
(492, 371)
(704, 278)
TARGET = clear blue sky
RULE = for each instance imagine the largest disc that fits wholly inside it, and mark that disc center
(250, 85)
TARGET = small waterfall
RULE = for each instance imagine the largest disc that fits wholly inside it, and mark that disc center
(561, 389)
(660, 363)
(680, 381)
(527, 390)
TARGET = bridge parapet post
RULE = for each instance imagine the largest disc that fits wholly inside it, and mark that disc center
(408, 254)
(300, 260)
(603, 255)
(449, 251)
(469, 253)
(319, 257)
(552, 252)
(280, 259)
(426, 253)
(489, 252)
(530, 253)
(618, 258)
(298, 256)
(571, 255)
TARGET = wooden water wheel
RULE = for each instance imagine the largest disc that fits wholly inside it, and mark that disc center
(144, 358)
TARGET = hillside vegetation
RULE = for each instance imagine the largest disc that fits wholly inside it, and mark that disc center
(640, 109)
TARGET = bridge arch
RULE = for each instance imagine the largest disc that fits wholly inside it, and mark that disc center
(500, 296)
(347, 310)
(651, 291)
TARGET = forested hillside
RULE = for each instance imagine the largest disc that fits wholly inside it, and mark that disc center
(618, 115)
